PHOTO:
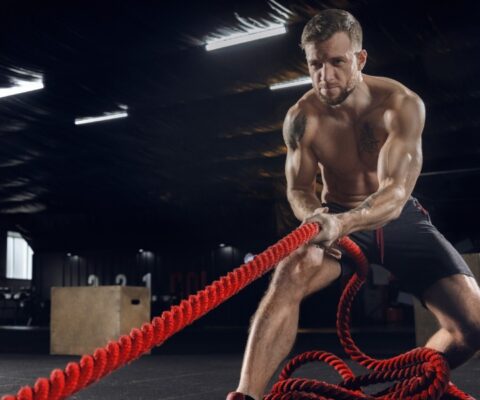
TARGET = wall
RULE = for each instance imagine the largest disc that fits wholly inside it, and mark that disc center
(175, 273)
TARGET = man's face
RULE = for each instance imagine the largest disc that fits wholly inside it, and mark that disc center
(334, 67)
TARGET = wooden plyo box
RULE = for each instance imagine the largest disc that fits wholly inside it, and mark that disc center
(425, 323)
(85, 318)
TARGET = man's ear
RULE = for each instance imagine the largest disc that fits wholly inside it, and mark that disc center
(362, 59)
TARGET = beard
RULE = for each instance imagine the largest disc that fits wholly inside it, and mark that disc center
(335, 101)
(341, 97)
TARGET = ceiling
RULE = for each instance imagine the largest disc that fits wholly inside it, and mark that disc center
(201, 153)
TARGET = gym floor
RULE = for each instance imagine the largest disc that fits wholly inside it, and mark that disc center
(172, 377)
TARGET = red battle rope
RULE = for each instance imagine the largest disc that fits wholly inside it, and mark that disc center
(420, 374)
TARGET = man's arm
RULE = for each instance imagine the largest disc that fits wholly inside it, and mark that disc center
(399, 165)
(301, 165)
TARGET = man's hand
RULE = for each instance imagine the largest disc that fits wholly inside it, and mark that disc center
(330, 230)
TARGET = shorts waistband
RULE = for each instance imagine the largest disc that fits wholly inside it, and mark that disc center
(336, 208)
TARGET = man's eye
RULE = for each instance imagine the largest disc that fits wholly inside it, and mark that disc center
(338, 62)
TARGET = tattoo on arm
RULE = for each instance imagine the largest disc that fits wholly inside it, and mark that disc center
(295, 131)
(368, 141)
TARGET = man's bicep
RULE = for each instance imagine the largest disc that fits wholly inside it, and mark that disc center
(400, 159)
(301, 169)
(301, 165)
(399, 164)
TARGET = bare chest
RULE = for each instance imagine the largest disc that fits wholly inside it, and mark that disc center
(345, 147)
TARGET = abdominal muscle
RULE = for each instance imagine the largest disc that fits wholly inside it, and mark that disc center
(349, 189)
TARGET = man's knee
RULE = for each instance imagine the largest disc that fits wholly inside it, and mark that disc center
(470, 335)
(293, 274)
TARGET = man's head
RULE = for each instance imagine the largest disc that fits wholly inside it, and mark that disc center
(332, 41)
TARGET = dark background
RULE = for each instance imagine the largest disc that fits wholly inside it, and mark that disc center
(199, 161)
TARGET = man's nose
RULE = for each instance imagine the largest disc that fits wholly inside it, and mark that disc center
(327, 72)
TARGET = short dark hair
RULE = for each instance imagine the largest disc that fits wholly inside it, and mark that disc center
(328, 22)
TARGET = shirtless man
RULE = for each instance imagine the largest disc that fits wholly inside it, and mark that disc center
(364, 134)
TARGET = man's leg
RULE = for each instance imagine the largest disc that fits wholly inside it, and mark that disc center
(455, 302)
(274, 325)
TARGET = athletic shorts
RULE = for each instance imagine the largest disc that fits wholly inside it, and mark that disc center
(410, 247)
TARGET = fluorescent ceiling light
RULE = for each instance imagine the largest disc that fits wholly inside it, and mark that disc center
(104, 117)
(243, 37)
(295, 82)
(21, 86)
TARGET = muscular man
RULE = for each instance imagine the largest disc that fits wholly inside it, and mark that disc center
(364, 135)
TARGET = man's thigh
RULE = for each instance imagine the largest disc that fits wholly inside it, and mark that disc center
(417, 254)
(455, 302)
(306, 271)
(327, 273)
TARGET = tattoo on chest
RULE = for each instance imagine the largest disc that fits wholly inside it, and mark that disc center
(368, 141)
(296, 130)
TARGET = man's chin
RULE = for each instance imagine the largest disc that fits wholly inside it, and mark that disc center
(331, 101)
(334, 101)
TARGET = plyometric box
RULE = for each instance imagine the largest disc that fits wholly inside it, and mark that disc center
(85, 318)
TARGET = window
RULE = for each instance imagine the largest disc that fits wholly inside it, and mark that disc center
(19, 257)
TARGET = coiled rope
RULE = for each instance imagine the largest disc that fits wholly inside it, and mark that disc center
(422, 373)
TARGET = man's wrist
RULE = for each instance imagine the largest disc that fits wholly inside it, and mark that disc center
(345, 223)
(311, 212)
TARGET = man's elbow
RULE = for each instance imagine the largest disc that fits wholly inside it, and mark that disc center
(400, 196)
(297, 199)
(296, 193)
(293, 198)
(293, 193)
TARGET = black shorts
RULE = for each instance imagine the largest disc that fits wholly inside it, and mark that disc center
(410, 247)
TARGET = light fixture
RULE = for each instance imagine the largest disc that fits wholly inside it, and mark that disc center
(222, 245)
(140, 250)
(253, 33)
(105, 117)
(306, 80)
(247, 29)
(22, 86)
(69, 254)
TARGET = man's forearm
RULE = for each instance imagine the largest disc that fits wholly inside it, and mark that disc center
(375, 211)
(303, 203)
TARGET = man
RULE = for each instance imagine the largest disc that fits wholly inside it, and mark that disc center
(364, 135)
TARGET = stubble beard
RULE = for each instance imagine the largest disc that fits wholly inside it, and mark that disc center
(335, 101)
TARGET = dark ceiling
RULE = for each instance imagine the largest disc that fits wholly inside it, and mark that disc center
(202, 147)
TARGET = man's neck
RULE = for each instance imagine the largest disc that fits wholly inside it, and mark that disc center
(357, 103)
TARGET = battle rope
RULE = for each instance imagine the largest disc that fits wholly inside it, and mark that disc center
(427, 371)
(91, 368)
(421, 373)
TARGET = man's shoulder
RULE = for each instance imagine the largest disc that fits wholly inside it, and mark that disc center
(391, 93)
(400, 106)
(403, 102)
(304, 105)
(295, 126)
